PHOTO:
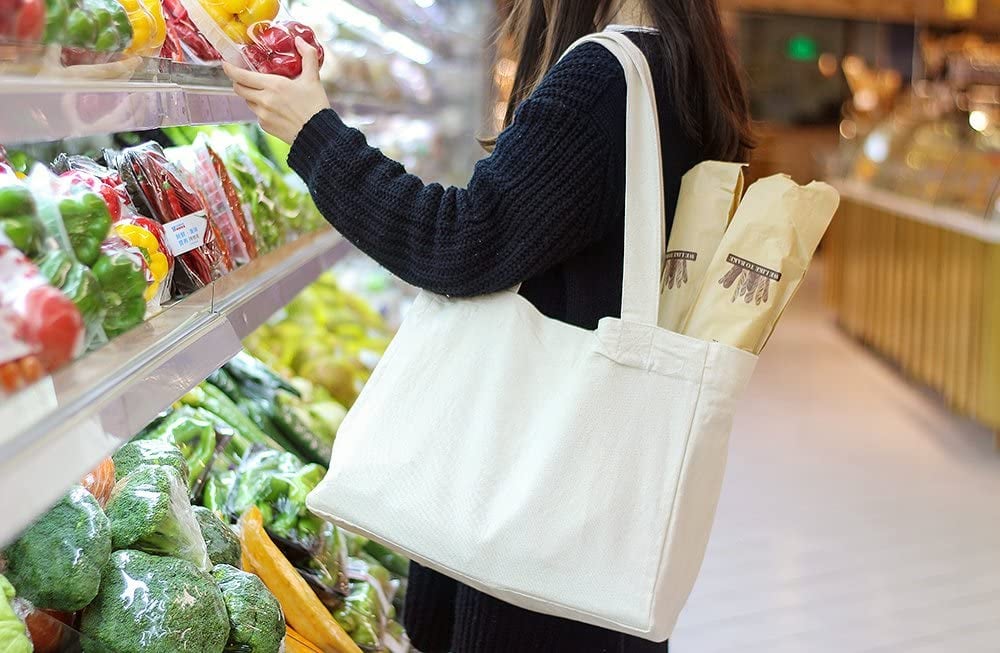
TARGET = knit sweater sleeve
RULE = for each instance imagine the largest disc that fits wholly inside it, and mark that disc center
(535, 201)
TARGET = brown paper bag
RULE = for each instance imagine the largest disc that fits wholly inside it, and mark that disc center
(761, 261)
(709, 195)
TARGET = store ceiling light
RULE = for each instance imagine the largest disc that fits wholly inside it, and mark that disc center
(979, 120)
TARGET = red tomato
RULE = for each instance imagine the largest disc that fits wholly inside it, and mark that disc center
(52, 322)
(30, 21)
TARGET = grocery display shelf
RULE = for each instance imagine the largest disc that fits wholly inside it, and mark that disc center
(61, 427)
(47, 109)
(954, 220)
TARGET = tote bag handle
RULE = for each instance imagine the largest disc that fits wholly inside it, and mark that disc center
(644, 200)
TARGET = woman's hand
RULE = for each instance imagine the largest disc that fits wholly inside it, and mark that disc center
(283, 106)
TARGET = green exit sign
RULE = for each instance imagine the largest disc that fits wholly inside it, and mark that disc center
(802, 48)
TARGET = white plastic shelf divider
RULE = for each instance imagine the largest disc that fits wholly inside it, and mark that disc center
(41, 109)
(54, 432)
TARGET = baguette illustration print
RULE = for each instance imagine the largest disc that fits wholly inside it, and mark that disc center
(750, 282)
(675, 269)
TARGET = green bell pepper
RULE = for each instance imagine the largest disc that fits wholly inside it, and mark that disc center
(56, 14)
(19, 219)
(100, 25)
(77, 282)
(123, 281)
(87, 221)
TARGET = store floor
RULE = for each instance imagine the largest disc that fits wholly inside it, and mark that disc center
(858, 515)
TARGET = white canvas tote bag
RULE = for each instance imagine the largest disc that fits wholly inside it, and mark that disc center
(570, 472)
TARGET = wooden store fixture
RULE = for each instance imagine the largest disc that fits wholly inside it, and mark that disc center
(920, 284)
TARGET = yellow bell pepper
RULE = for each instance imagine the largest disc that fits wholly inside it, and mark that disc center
(304, 612)
(148, 244)
(235, 17)
(149, 29)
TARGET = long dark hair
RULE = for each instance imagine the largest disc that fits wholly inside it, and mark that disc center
(703, 76)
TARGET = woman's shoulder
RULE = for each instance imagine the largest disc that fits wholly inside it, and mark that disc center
(585, 79)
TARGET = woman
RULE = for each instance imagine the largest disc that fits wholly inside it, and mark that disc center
(545, 209)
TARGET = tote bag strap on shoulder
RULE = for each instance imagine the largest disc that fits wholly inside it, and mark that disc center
(644, 199)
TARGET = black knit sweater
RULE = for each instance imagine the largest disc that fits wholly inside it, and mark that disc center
(546, 209)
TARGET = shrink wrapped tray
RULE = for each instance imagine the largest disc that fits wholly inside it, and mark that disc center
(184, 41)
(255, 34)
(761, 261)
(206, 172)
(22, 21)
(89, 31)
(192, 237)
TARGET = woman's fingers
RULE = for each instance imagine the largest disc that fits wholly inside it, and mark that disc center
(251, 95)
(246, 78)
(310, 58)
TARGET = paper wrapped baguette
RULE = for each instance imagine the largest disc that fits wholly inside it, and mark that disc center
(709, 195)
(761, 261)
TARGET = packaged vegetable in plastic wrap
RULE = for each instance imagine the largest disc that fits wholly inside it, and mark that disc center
(86, 214)
(90, 31)
(100, 481)
(206, 172)
(155, 604)
(40, 328)
(19, 217)
(56, 564)
(255, 34)
(186, 43)
(160, 191)
(304, 612)
(149, 510)
(149, 29)
(13, 633)
(22, 21)
(256, 623)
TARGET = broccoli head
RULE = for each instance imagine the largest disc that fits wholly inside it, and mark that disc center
(149, 510)
(256, 623)
(149, 452)
(155, 604)
(222, 543)
(56, 564)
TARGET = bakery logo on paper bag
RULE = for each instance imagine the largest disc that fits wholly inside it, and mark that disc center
(749, 281)
(675, 269)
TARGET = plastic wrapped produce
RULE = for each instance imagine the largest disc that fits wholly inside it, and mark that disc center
(186, 42)
(149, 29)
(155, 604)
(223, 544)
(137, 453)
(150, 511)
(256, 623)
(19, 219)
(160, 191)
(206, 172)
(13, 633)
(22, 21)
(100, 481)
(40, 328)
(255, 34)
(90, 31)
(56, 564)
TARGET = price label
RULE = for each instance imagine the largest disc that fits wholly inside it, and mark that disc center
(961, 9)
(187, 233)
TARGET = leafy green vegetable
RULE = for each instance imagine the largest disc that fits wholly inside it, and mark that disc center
(56, 564)
(13, 635)
(256, 623)
(155, 604)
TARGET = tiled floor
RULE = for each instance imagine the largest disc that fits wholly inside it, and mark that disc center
(858, 515)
